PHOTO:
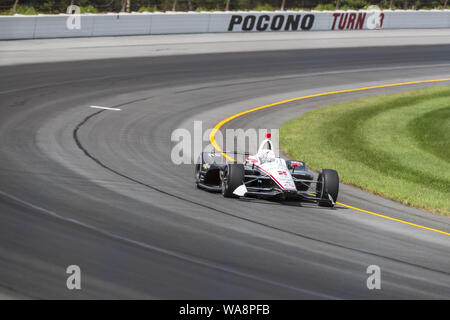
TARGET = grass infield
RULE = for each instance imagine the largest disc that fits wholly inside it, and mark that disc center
(396, 146)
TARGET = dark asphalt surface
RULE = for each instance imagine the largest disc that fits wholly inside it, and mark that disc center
(98, 189)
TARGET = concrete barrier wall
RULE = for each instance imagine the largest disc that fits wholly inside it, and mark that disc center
(88, 25)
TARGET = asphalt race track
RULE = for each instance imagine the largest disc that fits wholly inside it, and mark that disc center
(96, 188)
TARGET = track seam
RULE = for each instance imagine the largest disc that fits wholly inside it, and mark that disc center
(167, 252)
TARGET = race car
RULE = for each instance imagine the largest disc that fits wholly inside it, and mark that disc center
(263, 175)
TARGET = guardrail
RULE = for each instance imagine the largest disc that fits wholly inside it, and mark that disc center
(91, 25)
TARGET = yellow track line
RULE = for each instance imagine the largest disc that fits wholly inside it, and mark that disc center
(393, 219)
(216, 128)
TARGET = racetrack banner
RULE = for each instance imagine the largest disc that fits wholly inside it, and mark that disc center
(91, 25)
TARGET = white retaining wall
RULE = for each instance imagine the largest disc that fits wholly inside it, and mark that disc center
(54, 26)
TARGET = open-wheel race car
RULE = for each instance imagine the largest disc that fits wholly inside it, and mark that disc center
(263, 175)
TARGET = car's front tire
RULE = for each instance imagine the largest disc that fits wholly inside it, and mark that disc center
(328, 185)
(232, 177)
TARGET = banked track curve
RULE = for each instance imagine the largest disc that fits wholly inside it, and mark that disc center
(48, 131)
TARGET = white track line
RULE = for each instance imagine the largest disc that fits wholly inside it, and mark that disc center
(105, 108)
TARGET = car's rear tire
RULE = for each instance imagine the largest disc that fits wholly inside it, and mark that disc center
(328, 185)
(232, 177)
(197, 175)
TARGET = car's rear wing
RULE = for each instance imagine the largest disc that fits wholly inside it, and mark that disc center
(218, 157)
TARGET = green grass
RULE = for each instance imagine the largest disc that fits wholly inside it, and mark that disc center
(396, 146)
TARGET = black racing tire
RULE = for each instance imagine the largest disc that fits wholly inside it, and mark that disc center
(197, 175)
(328, 185)
(232, 177)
